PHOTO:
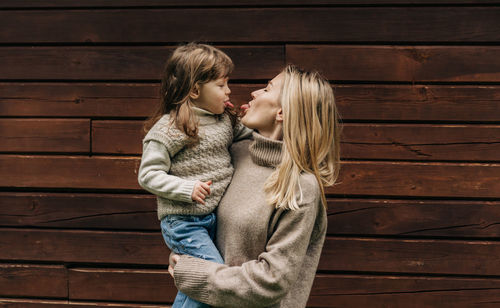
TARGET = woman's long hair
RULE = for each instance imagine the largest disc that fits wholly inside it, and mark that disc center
(189, 65)
(311, 137)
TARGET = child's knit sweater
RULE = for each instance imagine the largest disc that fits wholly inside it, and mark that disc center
(170, 166)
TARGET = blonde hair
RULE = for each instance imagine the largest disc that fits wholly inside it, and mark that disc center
(189, 65)
(311, 137)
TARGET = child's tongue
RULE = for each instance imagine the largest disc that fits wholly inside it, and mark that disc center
(228, 104)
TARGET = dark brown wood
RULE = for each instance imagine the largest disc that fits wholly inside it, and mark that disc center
(469, 180)
(414, 217)
(18, 280)
(363, 177)
(84, 246)
(45, 303)
(441, 218)
(418, 102)
(79, 211)
(69, 172)
(403, 291)
(304, 24)
(355, 102)
(124, 63)
(173, 3)
(399, 63)
(441, 256)
(117, 100)
(138, 285)
(421, 142)
(123, 137)
(359, 141)
(44, 135)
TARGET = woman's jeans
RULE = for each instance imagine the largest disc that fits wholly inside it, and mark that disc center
(192, 235)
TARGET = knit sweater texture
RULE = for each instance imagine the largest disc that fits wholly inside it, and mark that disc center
(271, 255)
(170, 165)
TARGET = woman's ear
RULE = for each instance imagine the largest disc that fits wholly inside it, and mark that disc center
(279, 116)
(195, 92)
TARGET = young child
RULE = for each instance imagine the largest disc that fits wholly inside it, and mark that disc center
(186, 161)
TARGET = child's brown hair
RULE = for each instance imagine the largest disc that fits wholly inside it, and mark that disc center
(189, 65)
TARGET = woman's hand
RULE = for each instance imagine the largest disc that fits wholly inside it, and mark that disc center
(201, 191)
(172, 261)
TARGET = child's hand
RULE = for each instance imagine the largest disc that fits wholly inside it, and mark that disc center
(201, 191)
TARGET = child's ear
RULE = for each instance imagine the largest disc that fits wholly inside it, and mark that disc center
(195, 92)
(279, 116)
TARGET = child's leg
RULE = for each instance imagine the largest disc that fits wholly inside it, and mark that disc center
(192, 235)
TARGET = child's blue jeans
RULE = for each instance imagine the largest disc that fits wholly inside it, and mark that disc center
(192, 235)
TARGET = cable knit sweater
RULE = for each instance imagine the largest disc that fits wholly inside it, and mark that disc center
(170, 167)
(271, 254)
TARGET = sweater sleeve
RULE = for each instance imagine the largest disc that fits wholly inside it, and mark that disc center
(240, 132)
(261, 282)
(153, 174)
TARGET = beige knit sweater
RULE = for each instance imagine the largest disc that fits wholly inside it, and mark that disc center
(271, 254)
(170, 167)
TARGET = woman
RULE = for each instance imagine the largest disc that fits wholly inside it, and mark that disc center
(272, 220)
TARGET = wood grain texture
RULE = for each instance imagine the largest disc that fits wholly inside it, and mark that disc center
(458, 257)
(355, 102)
(139, 285)
(79, 211)
(432, 179)
(84, 246)
(421, 142)
(437, 218)
(46, 303)
(304, 24)
(31, 280)
(124, 63)
(45, 135)
(469, 180)
(346, 216)
(403, 291)
(195, 3)
(358, 141)
(418, 102)
(399, 63)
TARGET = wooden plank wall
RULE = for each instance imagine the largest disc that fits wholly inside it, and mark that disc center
(413, 222)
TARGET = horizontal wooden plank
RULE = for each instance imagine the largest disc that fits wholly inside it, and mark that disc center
(418, 179)
(420, 142)
(173, 3)
(400, 63)
(119, 137)
(45, 303)
(418, 102)
(457, 257)
(347, 24)
(403, 291)
(411, 256)
(470, 180)
(69, 172)
(121, 285)
(414, 217)
(439, 218)
(124, 63)
(359, 141)
(83, 211)
(343, 290)
(31, 280)
(355, 102)
(83, 246)
(45, 135)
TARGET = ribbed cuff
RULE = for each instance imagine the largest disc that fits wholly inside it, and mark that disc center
(186, 191)
(191, 278)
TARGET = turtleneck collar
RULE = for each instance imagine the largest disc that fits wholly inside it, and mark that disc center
(265, 151)
(205, 117)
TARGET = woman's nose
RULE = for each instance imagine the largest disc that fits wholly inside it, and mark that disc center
(254, 94)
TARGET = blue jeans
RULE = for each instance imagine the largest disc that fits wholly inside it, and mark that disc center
(192, 235)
